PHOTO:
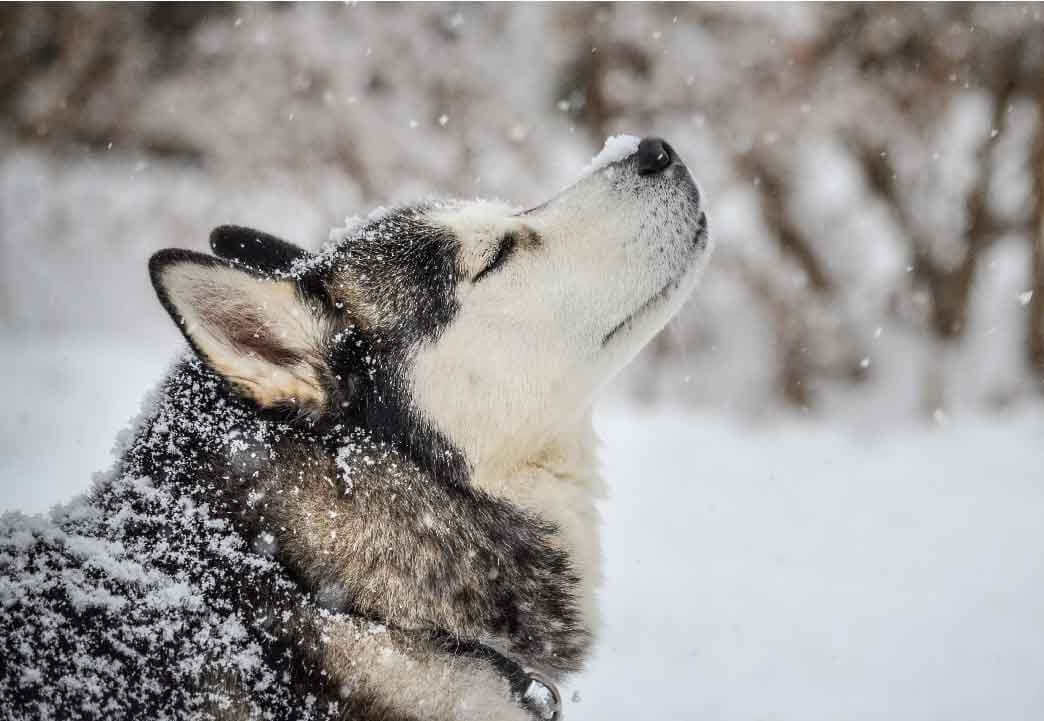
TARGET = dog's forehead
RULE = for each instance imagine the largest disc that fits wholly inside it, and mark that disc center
(404, 237)
(477, 226)
(474, 220)
(413, 226)
(413, 241)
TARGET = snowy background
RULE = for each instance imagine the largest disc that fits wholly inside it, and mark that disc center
(826, 482)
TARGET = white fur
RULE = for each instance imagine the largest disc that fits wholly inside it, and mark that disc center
(439, 687)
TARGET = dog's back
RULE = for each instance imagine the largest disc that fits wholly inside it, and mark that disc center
(125, 604)
(143, 600)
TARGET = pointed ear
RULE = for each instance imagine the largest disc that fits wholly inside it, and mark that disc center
(255, 249)
(259, 333)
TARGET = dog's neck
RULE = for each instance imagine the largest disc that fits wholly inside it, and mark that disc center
(560, 483)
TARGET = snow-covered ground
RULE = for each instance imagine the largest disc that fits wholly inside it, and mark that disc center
(792, 572)
(808, 574)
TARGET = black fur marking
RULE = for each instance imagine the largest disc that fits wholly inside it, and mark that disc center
(408, 269)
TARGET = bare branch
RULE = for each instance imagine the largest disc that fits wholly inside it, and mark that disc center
(773, 205)
(1036, 308)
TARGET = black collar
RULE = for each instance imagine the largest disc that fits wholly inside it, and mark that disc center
(534, 691)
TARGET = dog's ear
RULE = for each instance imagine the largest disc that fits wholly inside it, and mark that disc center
(255, 249)
(261, 334)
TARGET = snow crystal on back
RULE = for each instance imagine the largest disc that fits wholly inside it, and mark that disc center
(125, 601)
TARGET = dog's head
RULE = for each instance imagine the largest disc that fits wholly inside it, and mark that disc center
(487, 328)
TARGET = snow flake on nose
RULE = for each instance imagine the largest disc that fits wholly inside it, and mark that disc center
(616, 148)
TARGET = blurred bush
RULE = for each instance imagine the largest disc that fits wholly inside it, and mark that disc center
(874, 173)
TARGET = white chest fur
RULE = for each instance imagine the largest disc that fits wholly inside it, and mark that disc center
(561, 484)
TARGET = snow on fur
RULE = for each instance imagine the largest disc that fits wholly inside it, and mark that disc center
(93, 594)
(616, 148)
(89, 583)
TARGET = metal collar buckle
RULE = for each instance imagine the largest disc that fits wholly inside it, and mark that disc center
(549, 710)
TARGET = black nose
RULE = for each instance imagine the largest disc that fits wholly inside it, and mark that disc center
(654, 156)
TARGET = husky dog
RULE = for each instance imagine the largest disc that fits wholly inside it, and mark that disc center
(369, 493)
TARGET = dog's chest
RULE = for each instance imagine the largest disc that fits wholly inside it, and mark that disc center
(562, 485)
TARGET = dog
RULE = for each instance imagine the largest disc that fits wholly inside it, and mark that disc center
(369, 491)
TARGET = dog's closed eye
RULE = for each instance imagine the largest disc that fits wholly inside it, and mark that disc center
(507, 246)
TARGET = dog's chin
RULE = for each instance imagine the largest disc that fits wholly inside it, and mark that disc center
(662, 305)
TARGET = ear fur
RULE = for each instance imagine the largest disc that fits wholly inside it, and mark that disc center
(259, 333)
(254, 248)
